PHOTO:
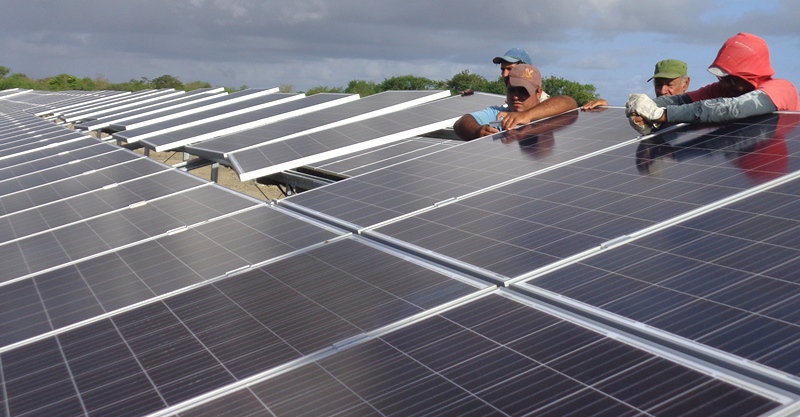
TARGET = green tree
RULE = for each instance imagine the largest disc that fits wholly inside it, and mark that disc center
(101, 83)
(465, 80)
(362, 88)
(167, 81)
(286, 88)
(62, 82)
(557, 86)
(4, 71)
(323, 89)
(133, 85)
(194, 85)
(230, 90)
(411, 82)
(19, 80)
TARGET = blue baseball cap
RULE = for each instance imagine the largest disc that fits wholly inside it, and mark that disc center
(514, 56)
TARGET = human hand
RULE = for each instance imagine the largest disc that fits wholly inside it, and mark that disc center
(511, 120)
(486, 130)
(594, 104)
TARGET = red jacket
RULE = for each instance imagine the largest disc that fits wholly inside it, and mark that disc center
(747, 56)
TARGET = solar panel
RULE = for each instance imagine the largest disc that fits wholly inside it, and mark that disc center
(94, 112)
(378, 158)
(77, 241)
(88, 205)
(563, 268)
(306, 105)
(47, 191)
(87, 99)
(725, 279)
(461, 170)
(547, 217)
(493, 356)
(169, 114)
(62, 172)
(192, 97)
(370, 106)
(52, 156)
(277, 156)
(196, 331)
(42, 144)
(110, 100)
(152, 270)
(205, 116)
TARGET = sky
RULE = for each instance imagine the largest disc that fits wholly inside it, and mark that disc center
(611, 44)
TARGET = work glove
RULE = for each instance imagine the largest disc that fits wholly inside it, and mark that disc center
(647, 108)
(631, 104)
(644, 128)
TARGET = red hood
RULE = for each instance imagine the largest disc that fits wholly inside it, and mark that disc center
(746, 56)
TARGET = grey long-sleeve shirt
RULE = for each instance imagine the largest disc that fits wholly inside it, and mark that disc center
(681, 109)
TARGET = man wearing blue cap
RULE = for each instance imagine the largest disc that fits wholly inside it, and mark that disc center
(511, 58)
(478, 124)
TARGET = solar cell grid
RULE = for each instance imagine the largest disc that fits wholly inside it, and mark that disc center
(725, 279)
(217, 334)
(129, 329)
(94, 112)
(12, 142)
(36, 161)
(297, 151)
(110, 100)
(95, 236)
(465, 169)
(86, 182)
(33, 132)
(49, 175)
(194, 97)
(369, 106)
(352, 165)
(239, 122)
(227, 109)
(88, 205)
(19, 149)
(577, 207)
(461, 362)
(206, 105)
(151, 101)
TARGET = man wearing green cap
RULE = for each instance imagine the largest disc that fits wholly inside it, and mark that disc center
(670, 78)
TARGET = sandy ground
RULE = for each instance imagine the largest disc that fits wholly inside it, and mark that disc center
(227, 177)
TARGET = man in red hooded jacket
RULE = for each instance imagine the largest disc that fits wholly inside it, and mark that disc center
(745, 88)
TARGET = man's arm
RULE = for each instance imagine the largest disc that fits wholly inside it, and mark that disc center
(719, 110)
(550, 107)
(713, 110)
(467, 128)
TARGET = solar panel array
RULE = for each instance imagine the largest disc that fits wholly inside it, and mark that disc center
(567, 267)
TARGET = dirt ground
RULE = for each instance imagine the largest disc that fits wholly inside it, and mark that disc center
(226, 177)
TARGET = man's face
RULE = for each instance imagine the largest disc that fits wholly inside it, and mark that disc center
(735, 86)
(518, 98)
(670, 86)
(505, 69)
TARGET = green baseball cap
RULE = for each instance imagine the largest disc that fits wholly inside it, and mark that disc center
(670, 68)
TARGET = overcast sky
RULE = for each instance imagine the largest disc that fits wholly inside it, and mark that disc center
(612, 44)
